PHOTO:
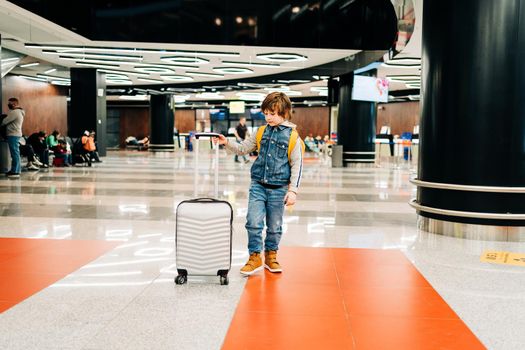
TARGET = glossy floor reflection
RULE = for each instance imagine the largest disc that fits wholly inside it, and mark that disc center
(126, 299)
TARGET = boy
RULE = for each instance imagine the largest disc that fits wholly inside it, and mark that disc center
(275, 174)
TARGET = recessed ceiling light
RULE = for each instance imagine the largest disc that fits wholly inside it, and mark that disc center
(94, 55)
(61, 82)
(184, 59)
(205, 53)
(33, 78)
(205, 75)
(116, 76)
(118, 82)
(406, 66)
(77, 49)
(281, 57)
(95, 65)
(251, 96)
(296, 9)
(29, 64)
(135, 64)
(150, 80)
(50, 70)
(11, 59)
(115, 71)
(232, 70)
(287, 92)
(238, 19)
(66, 49)
(51, 77)
(278, 89)
(249, 64)
(176, 78)
(154, 70)
(209, 95)
(293, 81)
(218, 21)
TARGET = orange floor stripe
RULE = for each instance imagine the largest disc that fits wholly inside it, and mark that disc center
(30, 265)
(345, 299)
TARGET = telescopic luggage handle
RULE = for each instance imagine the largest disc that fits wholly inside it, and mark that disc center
(206, 134)
(216, 146)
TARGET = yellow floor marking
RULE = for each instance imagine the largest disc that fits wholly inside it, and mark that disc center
(506, 258)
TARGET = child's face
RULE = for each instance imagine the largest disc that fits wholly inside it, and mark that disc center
(272, 118)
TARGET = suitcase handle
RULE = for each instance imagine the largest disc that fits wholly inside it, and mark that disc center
(206, 134)
(206, 200)
(196, 152)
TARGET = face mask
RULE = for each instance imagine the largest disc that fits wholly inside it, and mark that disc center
(10, 106)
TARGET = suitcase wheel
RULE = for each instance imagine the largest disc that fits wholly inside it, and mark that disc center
(181, 279)
(224, 280)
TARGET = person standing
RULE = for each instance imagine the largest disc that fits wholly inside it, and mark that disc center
(275, 180)
(13, 123)
(241, 132)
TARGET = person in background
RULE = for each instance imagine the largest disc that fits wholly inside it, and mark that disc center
(144, 143)
(27, 151)
(61, 153)
(241, 132)
(52, 140)
(88, 142)
(13, 122)
(37, 141)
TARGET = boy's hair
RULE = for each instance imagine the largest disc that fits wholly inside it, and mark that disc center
(13, 99)
(279, 103)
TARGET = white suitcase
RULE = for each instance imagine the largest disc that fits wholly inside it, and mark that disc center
(203, 231)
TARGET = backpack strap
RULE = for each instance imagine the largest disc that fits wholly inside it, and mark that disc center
(258, 136)
(294, 135)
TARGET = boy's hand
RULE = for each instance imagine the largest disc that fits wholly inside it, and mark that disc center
(290, 198)
(221, 140)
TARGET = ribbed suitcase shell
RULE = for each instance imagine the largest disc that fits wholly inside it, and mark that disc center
(203, 236)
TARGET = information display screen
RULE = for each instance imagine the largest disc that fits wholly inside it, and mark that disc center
(370, 89)
(237, 107)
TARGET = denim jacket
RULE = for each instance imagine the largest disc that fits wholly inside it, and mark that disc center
(272, 165)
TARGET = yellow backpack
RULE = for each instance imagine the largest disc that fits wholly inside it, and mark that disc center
(294, 135)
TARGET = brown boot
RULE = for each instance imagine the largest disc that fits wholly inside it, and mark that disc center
(270, 261)
(253, 265)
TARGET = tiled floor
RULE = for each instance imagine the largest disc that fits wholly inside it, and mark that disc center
(341, 298)
(126, 298)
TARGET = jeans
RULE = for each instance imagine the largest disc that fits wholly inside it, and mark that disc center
(14, 148)
(265, 203)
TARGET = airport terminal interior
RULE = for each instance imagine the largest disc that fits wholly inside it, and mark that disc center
(407, 230)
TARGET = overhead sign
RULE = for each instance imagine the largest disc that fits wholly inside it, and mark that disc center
(237, 107)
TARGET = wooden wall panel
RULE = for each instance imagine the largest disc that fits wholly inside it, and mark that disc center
(185, 120)
(45, 104)
(312, 120)
(401, 117)
(134, 121)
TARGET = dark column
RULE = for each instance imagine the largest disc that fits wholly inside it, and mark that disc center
(161, 123)
(88, 105)
(356, 125)
(472, 130)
